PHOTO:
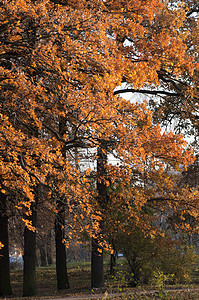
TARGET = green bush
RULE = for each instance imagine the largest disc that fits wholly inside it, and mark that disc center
(158, 260)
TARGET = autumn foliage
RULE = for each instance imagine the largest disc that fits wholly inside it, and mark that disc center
(61, 65)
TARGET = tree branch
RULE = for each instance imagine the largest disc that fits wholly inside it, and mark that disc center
(193, 10)
(123, 91)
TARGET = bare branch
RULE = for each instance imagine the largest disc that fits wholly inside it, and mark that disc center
(123, 91)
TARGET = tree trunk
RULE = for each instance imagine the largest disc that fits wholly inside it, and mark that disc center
(113, 263)
(49, 249)
(82, 254)
(61, 268)
(43, 255)
(135, 269)
(97, 268)
(49, 257)
(38, 264)
(5, 286)
(29, 271)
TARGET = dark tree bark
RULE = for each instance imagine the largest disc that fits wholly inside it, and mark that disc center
(61, 268)
(97, 269)
(97, 265)
(29, 271)
(5, 286)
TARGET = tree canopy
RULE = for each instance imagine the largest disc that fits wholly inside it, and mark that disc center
(61, 65)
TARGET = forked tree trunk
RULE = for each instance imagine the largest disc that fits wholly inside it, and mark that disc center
(5, 286)
(61, 268)
(97, 268)
(29, 270)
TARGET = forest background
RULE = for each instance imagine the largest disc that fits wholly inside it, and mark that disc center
(62, 64)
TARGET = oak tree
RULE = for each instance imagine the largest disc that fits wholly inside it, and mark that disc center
(60, 64)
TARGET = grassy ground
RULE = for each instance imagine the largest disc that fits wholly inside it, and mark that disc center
(79, 277)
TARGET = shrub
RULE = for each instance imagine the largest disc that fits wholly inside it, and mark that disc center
(157, 260)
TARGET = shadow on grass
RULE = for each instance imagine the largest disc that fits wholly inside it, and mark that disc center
(79, 277)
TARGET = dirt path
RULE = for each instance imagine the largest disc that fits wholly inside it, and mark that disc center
(107, 295)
